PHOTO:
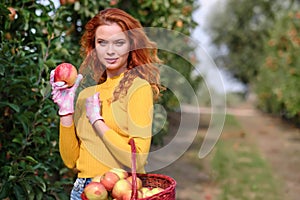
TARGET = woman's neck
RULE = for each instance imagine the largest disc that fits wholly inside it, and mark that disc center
(114, 73)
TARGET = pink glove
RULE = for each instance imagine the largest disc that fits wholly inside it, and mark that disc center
(93, 109)
(63, 96)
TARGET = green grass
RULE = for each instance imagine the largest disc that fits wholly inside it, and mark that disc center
(240, 170)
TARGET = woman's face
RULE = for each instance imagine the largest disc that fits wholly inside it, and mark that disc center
(112, 47)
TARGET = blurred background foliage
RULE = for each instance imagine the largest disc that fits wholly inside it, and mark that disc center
(35, 37)
(258, 42)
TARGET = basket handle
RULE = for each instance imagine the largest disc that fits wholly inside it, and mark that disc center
(133, 169)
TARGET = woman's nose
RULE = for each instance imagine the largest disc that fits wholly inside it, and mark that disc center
(110, 50)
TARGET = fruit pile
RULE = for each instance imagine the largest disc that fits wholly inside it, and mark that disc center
(116, 184)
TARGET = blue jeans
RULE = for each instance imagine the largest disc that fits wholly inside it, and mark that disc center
(78, 188)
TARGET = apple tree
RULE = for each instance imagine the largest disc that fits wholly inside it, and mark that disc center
(278, 78)
(36, 36)
(30, 47)
(260, 43)
(239, 28)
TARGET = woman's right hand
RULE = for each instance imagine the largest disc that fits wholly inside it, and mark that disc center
(63, 95)
(93, 108)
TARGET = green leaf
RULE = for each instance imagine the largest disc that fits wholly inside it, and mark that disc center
(31, 159)
(18, 140)
(77, 6)
(41, 183)
(11, 105)
(5, 190)
(24, 121)
(29, 189)
(19, 192)
(38, 193)
(46, 91)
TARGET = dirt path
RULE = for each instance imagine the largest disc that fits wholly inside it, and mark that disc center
(193, 175)
(278, 142)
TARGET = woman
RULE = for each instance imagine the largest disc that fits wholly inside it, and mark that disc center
(94, 136)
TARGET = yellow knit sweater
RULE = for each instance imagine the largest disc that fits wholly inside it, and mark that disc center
(128, 117)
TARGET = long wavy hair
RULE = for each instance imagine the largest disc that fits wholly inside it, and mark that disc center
(142, 60)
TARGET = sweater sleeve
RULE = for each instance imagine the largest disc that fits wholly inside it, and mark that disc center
(139, 119)
(68, 145)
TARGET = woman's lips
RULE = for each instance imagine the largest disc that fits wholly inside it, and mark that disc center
(111, 60)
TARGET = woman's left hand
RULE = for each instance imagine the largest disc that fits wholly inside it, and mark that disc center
(93, 108)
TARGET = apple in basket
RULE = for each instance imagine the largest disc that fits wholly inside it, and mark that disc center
(152, 192)
(156, 190)
(121, 188)
(144, 190)
(120, 172)
(95, 191)
(139, 182)
(127, 195)
(109, 179)
(65, 73)
(97, 178)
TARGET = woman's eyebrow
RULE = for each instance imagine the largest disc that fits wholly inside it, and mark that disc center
(99, 38)
(120, 40)
(112, 39)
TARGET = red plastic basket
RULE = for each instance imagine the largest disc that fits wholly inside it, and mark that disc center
(151, 181)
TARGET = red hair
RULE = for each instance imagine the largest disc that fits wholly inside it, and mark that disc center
(143, 52)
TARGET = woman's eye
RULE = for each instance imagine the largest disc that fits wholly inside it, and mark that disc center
(102, 43)
(119, 43)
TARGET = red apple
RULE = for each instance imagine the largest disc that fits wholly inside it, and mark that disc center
(12, 14)
(65, 72)
(127, 195)
(97, 178)
(113, 2)
(139, 183)
(63, 2)
(95, 191)
(121, 188)
(120, 172)
(109, 179)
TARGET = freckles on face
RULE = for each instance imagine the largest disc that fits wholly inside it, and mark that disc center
(112, 47)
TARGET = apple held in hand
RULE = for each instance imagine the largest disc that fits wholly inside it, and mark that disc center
(109, 179)
(65, 72)
(95, 191)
